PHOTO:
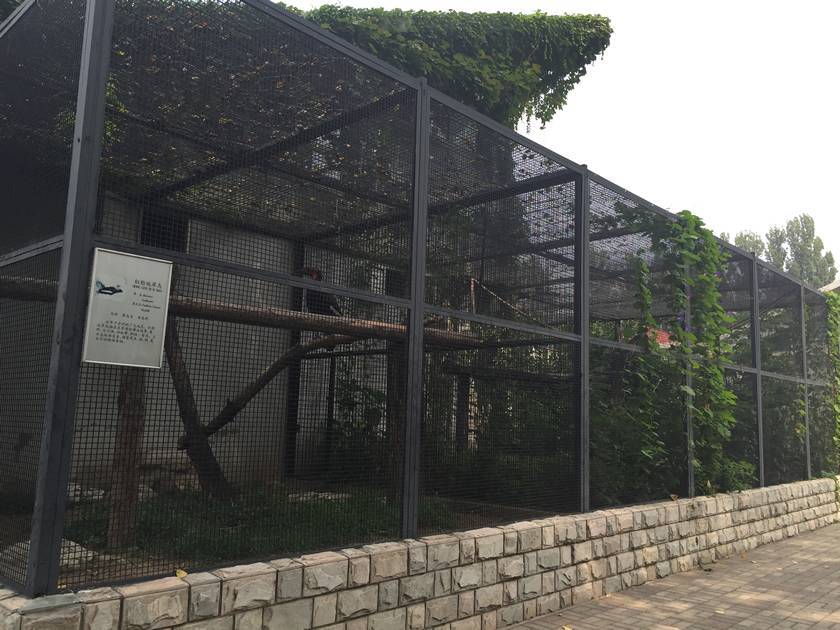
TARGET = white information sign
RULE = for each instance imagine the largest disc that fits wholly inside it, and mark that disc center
(127, 309)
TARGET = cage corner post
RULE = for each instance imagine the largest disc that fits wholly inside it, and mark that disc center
(66, 352)
(756, 348)
(414, 395)
(582, 289)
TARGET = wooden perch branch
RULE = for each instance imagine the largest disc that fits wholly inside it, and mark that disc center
(238, 403)
(210, 474)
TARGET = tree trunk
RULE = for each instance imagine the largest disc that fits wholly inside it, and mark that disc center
(210, 474)
(125, 469)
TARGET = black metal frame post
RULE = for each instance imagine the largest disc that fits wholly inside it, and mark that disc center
(54, 463)
(805, 380)
(414, 393)
(582, 289)
(756, 351)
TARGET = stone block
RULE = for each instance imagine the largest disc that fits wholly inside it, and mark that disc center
(511, 567)
(565, 556)
(530, 587)
(596, 527)
(488, 597)
(581, 552)
(416, 557)
(529, 608)
(443, 582)
(417, 588)
(443, 551)
(548, 603)
(473, 623)
(613, 584)
(490, 543)
(584, 572)
(324, 573)
(566, 577)
(511, 542)
(219, 623)
(547, 535)
(289, 579)
(357, 601)
(389, 594)
(466, 604)
(324, 610)
(247, 586)
(509, 615)
(387, 561)
(388, 620)
(101, 608)
(582, 593)
(548, 558)
(530, 560)
(155, 604)
(489, 572)
(441, 610)
(466, 577)
(416, 617)
(510, 591)
(467, 549)
(295, 615)
(248, 620)
(54, 612)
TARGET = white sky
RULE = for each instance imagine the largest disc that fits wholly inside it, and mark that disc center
(728, 109)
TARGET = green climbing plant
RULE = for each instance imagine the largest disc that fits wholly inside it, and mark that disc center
(833, 315)
(691, 264)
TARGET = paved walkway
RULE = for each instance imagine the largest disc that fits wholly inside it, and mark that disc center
(791, 584)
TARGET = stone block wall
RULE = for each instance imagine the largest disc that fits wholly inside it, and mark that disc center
(477, 580)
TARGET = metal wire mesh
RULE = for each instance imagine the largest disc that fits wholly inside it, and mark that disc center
(308, 460)
(233, 136)
(499, 440)
(742, 448)
(39, 71)
(638, 449)
(783, 404)
(501, 229)
(278, 173)
(736, 296)
(780, 323)
(821, 431)
(27, 313)
(619, 242)
(816, 337)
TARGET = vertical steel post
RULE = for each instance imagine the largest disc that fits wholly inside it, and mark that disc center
(689, 403)
(582, 290)
(56, 441)
(808, 471)
(414, 393)
(756, 351)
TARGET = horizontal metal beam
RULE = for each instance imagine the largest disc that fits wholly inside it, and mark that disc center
(32, 250)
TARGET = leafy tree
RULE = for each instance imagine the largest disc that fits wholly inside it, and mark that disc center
(794, 247)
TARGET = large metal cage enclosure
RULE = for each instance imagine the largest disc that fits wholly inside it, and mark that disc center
(473, 373)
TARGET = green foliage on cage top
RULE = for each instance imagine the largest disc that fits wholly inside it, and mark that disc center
(506, 65)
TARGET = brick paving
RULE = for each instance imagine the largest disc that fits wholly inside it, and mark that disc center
(790, 584)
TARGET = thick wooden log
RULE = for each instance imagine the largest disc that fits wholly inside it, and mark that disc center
(210, 474)
(125, 467)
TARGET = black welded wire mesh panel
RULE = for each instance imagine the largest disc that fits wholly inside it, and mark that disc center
(780, 322)
(741, 467)
(501, 225)
(39, 72)
(736, 298)
(619, 243)
(27, 313)
(637, 445)
(303, 460)
(822, 426)
(783, 404)
(816, 336)
(499, 438)
(231, 135)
